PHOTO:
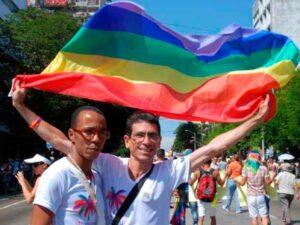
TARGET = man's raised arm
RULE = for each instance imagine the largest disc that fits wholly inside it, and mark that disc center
(229, 138)
(45, 130)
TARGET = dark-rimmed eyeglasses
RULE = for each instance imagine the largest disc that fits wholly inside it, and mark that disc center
(37, 164)
(89, 133)
(140, 136)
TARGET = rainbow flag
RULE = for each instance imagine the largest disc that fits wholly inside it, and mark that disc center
(124, 56)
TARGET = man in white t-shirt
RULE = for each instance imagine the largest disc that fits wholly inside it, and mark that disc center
(143, 138)
(67, 193)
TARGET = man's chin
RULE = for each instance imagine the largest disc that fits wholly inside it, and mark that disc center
(146, 159)
(92, 156)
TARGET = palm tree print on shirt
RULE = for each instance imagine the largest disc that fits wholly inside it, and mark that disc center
(85, 206)
(115, 198)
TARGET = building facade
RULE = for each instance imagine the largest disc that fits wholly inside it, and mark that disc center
(9, 6)
(81, 9)
(280, 16)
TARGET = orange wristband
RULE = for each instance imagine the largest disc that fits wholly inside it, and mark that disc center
(36, 122)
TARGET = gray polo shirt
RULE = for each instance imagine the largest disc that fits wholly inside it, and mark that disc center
(286, 183)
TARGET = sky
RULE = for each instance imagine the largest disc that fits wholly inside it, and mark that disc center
(195, 17)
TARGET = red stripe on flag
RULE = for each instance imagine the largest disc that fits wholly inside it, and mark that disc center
(231, 98)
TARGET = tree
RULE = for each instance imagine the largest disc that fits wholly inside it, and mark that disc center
(29, 40)
(185, 136)
(283, 130)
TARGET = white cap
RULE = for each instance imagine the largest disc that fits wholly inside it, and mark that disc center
(38, 158)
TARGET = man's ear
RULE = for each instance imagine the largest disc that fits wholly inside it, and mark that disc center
(126, 139)
(71, 135)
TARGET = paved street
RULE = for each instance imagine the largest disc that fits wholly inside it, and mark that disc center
(15, 211)
(231, 218)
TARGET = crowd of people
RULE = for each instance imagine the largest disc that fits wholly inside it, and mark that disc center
(86, 187)
(8, 170)
(235, 171)
(17, 173)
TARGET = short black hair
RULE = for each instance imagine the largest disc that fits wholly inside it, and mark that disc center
(160, 153)
(138, 117)
(208, 162)
(79, 110)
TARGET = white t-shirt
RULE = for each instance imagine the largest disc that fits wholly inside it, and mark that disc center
(286, 183)
(61, 192)
(152, 205)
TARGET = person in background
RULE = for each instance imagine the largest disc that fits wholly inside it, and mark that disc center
(6, 176)
(160, 155)
(256, 175)
(297, 169)
(272, 167)
(206, 207)
(39, 164)
(222, 164)
(214, 163)
(193, 202)
(287, 188)
(234, 170)
(178, 211)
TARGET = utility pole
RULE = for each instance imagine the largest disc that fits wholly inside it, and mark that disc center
(263, 142)
(194, 135)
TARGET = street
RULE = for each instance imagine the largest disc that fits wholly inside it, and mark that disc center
(231, 218)
(15, 211)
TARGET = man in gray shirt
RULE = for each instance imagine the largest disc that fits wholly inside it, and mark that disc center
(286, 183)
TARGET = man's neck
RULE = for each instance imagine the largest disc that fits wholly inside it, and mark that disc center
(137, 169)
(84, 164)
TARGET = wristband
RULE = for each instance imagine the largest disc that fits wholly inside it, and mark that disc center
(36, 123)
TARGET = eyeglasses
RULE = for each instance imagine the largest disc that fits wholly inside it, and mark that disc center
(90, 132)
(37, 164)
(140, 136)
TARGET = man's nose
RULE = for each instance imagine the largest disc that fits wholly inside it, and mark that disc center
(147, 139)
(97, 138)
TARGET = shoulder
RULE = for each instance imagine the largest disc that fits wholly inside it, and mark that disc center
(106, 159)
(57, 172)
(60, 166)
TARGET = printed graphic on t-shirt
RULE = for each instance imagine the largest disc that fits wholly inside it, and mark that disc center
(115, 198)
(85, 206)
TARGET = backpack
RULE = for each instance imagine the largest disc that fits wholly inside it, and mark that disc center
(206, 187)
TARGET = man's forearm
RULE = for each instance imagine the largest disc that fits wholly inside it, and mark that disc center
(223, 142)
(27, 191)
(230, 138)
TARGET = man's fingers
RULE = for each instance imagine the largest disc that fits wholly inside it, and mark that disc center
(18, 83)
(267, 99)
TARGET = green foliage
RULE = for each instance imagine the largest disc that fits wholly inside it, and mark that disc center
(184, 136)
(283, 130)
(31, 38)
(121, 150)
